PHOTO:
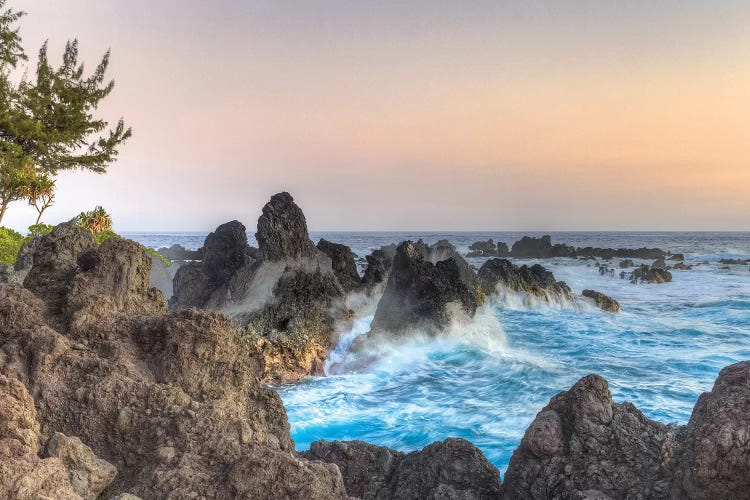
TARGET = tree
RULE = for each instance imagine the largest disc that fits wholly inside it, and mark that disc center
(40, 192)
(97, 220)
(47, 124)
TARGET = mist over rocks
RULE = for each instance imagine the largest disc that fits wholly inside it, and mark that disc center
(420, 293)
(343, 263)
(379, 264)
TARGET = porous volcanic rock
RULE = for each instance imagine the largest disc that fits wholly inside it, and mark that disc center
(452, 469)
(379, 264)
(421, 294)
(583, 443)
(282, 230)
(343, 263)
(645, 274)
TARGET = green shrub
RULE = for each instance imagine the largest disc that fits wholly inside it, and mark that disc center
(154, 253)
(10, 244)
(39, 230)
(103, 236)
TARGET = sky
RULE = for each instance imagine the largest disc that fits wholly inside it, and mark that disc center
(392, 115)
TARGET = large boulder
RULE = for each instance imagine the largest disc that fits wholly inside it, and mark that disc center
(282, 230)
(55, 263)
(530, 247)
(343, 263)
(422, 294)
(645, 274)
(534, 280)
(582, 445)
(715, 448)
(452, 469)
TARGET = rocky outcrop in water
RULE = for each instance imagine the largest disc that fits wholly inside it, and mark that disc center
(488, 249)
(452, 469)
(534, 280)
(378, 266)
(529, 247)
(603, 302)
(178, 252)
(646, 274)
(343, 263)
(286, 296)
(624, 264)
(171, 406)
(583, 445)
(424, 295)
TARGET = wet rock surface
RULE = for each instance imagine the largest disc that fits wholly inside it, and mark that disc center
(534, 280)
(654, 275)
(422, 294)
(602, 301)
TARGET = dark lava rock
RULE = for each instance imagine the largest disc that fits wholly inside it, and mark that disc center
(604, 302)
(715, 449)
(624, 264)
(453, 469)
(419, 293)
(734, 261)
(488, 249)
(178, 252)
(206, 284)
(644, 274)
(540, 248)
(659, 264)
(343, 262)
(681, 266)
(535, 280)
(582, 443)
(378, 266)
(282, 230)
(630, 253)
(676, 256)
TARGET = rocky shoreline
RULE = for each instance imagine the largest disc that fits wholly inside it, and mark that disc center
(108, 389)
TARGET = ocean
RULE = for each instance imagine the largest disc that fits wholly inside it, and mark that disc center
(486, 380)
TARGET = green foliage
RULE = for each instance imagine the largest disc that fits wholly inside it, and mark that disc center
(39, 230)
(154, 253)
(10, 244)
(103, 236)
(48, 122)
(96, 221)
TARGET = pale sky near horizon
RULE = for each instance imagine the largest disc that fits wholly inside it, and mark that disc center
(440, 115)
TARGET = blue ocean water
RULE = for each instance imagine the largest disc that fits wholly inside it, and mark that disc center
(485, 380)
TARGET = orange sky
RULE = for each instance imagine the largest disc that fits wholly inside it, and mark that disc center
(428, 116)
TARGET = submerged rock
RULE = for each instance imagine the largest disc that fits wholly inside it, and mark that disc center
(452, 469)
(603, 302)
(534, 280)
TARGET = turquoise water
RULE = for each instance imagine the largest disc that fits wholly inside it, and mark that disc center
(486, 379)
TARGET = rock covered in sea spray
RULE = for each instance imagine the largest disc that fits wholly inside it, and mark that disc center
(602, 301)
(423, 295)
(343, 263)
(286, 295)
(534, 280)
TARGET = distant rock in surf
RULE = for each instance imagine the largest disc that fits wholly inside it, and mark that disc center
(603, 302)
(646, 274)
(178, 252)
(488, 249)
(534, 280)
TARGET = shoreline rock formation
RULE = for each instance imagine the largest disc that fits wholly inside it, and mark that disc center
(102, 392)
